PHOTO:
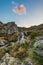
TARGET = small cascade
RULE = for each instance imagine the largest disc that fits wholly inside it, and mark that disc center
(22, 39)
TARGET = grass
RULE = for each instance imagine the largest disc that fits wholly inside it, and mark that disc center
(26, 46)
(32, 42)
(36, 59)
(2, 52)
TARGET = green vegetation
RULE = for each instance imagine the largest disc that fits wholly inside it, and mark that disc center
(2, 52)
(26, 46)
(20, 51)
(33, 35)
(36, 59)
(32, 42)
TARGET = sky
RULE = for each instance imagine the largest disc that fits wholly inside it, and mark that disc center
(24, 13)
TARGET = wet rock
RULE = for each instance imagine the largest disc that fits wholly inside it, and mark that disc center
(27, 63)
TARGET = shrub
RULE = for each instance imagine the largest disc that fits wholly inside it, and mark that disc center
(2, 52)
(33, 35)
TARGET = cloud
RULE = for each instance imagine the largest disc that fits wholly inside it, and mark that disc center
(20, 10)
(23, 23)
(16, 10)
(14, 3)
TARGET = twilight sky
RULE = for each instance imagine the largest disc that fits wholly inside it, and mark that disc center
(25, 13)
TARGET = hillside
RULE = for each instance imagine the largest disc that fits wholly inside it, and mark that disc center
(28, 50)
(11, 27)
(33, 29)
(10, 30)
(38, 28)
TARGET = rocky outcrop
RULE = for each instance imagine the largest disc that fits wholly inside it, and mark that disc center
(8, 28)
(9, 60)
(3, 43)
(38, 46)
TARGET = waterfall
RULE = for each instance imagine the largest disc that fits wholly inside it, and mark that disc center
(22, 39)
(18, 38)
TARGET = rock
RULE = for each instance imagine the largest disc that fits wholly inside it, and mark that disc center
(38, 46)
(3, 63)
(27, 63)
(3, 42)
(39, 38)
(9, 60)
(39, 43)
(8, 28)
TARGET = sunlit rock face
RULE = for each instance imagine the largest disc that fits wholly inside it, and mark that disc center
(9, 60)
(8, 28)
(38, 45)
(39, 41)
(3, 42)
(39, 38)
(12, 27)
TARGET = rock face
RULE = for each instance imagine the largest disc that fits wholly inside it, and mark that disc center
(3, 42)
(8, 28)
(39, 41)
(39, 46)
(9, 60)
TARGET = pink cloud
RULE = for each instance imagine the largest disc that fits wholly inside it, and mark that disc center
(20, 10)
(15, 10)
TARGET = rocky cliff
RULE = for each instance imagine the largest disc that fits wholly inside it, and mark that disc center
(8, 28)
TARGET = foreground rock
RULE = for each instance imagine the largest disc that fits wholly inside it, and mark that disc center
(9, 60)
(3, 42)
(39, 46)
